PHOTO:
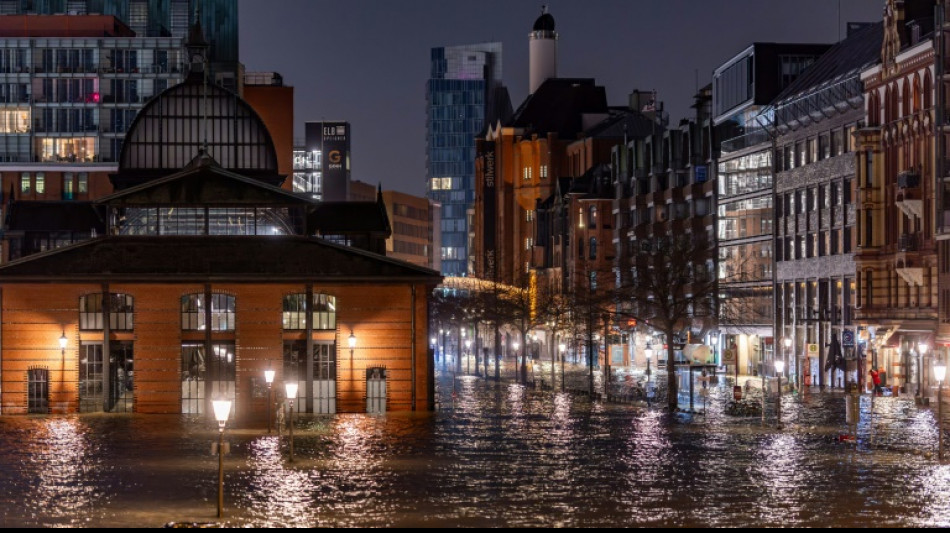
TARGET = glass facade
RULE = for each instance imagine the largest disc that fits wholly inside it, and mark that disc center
(72, 100)
(456, 92)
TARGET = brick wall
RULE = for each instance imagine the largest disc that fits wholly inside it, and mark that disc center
(34, 316)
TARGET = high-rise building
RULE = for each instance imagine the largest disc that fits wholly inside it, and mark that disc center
(159, 18)
(463, 92)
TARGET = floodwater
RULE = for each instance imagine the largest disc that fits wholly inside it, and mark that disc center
(492, 455)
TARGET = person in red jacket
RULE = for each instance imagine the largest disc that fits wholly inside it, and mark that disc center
(876, 379)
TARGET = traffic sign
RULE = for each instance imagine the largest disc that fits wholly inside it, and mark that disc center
(847, 338)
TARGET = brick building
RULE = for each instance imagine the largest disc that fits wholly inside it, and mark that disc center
(206, 274)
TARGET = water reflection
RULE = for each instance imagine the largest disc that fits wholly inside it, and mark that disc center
(63, 472)
(502, 455)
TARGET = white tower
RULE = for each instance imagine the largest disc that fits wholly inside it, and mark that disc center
(542, 62)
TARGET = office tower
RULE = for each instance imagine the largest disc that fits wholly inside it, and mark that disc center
(463, 92)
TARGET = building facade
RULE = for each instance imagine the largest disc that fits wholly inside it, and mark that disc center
(159, 18)
(461, 94)
(816, 118)
(207, 273)
(413, 237)
(742, 88)
(322, 162)
(899, 165)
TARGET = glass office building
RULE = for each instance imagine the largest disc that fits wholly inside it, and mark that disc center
(457, 95)
(158, 18)
(73, 99)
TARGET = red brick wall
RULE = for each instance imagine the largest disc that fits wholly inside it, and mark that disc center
(35, 315)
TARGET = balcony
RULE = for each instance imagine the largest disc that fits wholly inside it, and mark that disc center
(908, 179)
(909, 197)
(907, 261)
(741, 142)
(908, 243)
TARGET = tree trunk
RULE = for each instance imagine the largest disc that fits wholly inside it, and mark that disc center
(672, 395)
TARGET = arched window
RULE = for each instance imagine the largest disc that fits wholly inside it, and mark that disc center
(593, 248)
(592, 216)
(295, 309)
(193, 312)
(121, 307)
(928, 91)
(916, 101)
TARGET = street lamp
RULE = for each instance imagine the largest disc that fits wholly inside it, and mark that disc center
(940, 373)
(779, 369)
(787, 341)
(468, 346)
(62, 342)
(291, 389)
(269, 378)
(648, 352)
(222, 409)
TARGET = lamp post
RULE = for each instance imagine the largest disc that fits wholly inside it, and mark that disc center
(787, 342)
(222, 410)
(514, 346)
(779, 369)
(269, 378)
(648, 352)
(468, 347)
(563, 349)
(291, 389)
(940, 373)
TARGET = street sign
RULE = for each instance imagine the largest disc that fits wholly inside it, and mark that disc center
(812, 350)
(729, 356)
(847, 338)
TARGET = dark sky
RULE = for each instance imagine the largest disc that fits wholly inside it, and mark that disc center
(367, 61)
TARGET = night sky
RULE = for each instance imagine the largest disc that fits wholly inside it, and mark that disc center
(367, 61)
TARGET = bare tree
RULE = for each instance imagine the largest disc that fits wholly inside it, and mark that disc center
(672, 284)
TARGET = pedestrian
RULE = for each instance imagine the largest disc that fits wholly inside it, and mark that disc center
(876, 379)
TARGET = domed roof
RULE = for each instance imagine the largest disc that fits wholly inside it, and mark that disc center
(544, 23)
(187, 120)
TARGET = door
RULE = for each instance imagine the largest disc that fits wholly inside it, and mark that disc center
(90, 377)
(376, 390)
(38, 390)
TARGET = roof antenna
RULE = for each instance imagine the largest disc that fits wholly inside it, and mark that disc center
(544, 9)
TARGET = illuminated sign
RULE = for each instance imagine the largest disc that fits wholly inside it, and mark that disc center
(332, 139)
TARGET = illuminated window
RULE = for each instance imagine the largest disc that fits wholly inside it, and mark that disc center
(529, 215)
(528, 243)
(295, 309)
(544, 171)
(193, 312)
(40, 183)
(83, 187)
(25, 183)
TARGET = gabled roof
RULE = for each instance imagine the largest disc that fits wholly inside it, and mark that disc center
(637, 125)
(55, 216)
(595, 184)
(557, 107)
(226, 258)
(204, 182)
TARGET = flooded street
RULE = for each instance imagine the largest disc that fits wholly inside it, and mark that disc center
(494, 455)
